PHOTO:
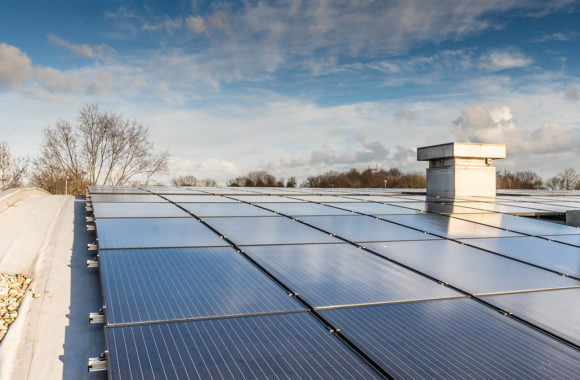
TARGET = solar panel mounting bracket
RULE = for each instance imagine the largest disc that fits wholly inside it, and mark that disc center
(99, 363)
(93, 263)
(98, 317)
(91, 227)
(92, 246)
(90, 219)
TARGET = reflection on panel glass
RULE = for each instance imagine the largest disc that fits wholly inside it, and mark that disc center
(364, 228)
(557, 311)
(341, 274)
(304, 208)
(470, 269)
(268, 230)
(224, 209)
(374, 208)
(521, 224)
(154, 232)
(552, 255)
(126, 198)
(137, 210)
(448, 227)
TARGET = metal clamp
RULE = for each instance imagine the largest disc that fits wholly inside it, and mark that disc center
(99, 363)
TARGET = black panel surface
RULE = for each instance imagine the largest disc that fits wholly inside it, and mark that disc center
(557, 311)
(154, 232)
(340, 274)
(268, 230)
(468, 268)
(266, 347)
(453, 339)
(552, 255)
(186, 283)
(364, 228)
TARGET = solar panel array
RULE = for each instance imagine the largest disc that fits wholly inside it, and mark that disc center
(336, 283)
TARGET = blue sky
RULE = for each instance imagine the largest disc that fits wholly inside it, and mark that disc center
(301, 87)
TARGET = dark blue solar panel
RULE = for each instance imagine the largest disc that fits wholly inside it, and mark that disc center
(557, 311)
(551, 255)
(453, 339)
(137, 210)
(154, 232)
(184, 283)
(468, 268)
(364, 228)
(225, 209)
(265, 347)
(268, 230)
(340, 274)
(448, 227)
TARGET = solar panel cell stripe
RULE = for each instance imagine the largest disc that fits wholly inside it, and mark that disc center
(453, 339)
(285, 345)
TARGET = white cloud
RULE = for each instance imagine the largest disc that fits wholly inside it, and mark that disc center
(15, 67)
(101, 51)
(560, 36)
(195, 23)
(477, 124)
(54, 80)
(404, 115)
(571, 93)
(214, 168)
(498, 60)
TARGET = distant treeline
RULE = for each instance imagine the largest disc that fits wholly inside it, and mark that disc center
(567, 179)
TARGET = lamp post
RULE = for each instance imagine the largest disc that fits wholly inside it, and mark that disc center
(385, 184)
(66, 185)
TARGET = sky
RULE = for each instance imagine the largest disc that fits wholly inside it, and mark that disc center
(301, 87)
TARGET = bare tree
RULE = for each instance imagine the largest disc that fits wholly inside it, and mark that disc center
(567, 179)
(102, 149)
(12, 169)
(184, 180)
(258, 178)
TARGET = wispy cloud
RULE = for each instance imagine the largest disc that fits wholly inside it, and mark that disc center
(15, 67)
(101, 51)
(560, 36)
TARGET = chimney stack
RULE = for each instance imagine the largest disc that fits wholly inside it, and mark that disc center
(461, 169)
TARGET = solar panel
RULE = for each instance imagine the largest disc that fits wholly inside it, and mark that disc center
(268, 230)
(224, 209)
(468, 268)
(137, 210)
(340, 274)
(557, 311)
(173, 190)
(364, 228)
(322, 198)
(126, 198)
(275, 346)
(303, 208)
(154, 233)
(448, 227)
(521, 224)
(453, 339)
(500, 208)
(182, 198)
(264, 199)
(115, 190)
(551, 255)
(569, 239)
(186, 283)
(374, 208)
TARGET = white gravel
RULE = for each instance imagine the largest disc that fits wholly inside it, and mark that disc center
(12, 290)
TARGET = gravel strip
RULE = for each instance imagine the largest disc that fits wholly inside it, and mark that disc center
(12, 290)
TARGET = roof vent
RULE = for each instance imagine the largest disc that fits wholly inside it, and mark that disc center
(461, 169)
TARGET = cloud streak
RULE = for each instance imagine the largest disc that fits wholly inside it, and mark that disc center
(101, 52)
